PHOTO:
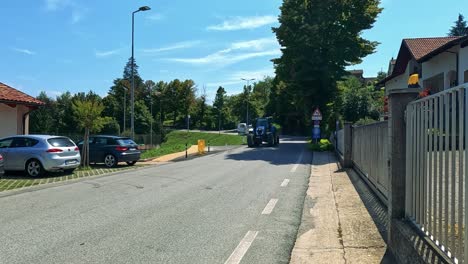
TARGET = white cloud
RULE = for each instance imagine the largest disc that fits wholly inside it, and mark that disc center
(77, 11)
(257, 75)
(224, 83)
(238, 23)
(107, 53)
(236, 52)
(53, 5)
(155, 17)
(175, 46)
(77, 16)
(25, 51)
(221, 57)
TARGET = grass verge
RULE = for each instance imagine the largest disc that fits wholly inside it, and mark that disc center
(176, 142)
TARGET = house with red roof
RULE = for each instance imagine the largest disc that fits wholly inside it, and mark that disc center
(15, 107)
(435, 63)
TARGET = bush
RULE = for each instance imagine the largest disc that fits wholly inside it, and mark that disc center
(322, 145)
(365, 121)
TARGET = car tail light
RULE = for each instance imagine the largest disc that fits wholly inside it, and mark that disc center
(54, 150)
(77, 149)
(1, 157)
(119, 148)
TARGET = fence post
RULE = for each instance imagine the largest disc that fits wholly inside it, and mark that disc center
(398, 100)
(347, 144)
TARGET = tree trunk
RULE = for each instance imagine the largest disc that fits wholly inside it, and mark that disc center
(85, 153)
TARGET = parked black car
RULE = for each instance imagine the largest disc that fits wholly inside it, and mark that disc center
(111, 150)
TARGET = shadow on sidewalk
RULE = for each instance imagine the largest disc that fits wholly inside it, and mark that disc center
(377, 210)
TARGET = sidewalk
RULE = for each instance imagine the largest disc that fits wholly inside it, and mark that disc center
(342, 221)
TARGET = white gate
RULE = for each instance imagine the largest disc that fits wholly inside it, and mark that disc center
(436, 171)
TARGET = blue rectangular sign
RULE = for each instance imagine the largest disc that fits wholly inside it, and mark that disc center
(316, 133)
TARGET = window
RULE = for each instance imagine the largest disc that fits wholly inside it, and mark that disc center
(61, 142)
(21, 142)
(125, 141)
(101, 141)
(6, 143)
(466, 76)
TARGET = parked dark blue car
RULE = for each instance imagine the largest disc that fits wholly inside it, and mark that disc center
(2, 171)
(111, 150)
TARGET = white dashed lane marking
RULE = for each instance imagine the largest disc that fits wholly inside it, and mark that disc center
(269, 207)
(298, 162)
(285, 183)
(242, 248)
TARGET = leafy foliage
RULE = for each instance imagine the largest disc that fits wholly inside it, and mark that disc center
(87, 113)
(460, 28)
(319, 38)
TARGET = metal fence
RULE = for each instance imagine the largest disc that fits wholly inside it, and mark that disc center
(436, 169)
(370, 154)
(340, 141)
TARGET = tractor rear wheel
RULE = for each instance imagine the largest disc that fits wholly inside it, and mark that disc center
(271, 140)
(250, 141)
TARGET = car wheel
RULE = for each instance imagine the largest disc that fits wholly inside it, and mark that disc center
(34, 168)
(131, 163)
(110, 161)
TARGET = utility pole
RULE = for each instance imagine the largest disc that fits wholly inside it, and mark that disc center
(248, 93)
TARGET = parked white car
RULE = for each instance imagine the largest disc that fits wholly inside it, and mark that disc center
(242, 129)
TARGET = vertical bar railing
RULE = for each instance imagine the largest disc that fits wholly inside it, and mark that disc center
(437, 169)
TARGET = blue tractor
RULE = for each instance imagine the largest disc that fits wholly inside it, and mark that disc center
(263, 131)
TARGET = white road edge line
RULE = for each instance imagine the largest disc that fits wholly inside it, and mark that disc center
(297, 162)
(242, 248)
(269, 207)
(285, 183)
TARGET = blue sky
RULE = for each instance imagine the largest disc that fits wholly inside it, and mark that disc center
(82, 45)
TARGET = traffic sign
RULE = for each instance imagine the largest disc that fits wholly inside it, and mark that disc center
(317, 115)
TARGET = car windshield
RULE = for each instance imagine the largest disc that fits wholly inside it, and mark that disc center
(126, 141)
(61, 142)
(262, 122)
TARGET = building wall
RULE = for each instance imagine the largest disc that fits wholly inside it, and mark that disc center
(19, 119)
(398, 82)
(442, 63)
(11, 120)
(8, 120)
(463, 65)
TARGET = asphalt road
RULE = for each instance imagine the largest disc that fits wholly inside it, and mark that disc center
(216, 209)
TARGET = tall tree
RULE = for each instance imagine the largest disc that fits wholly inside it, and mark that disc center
(43, 120)
(460, 28)
(87, 111)
(218, 104)
(319, 38)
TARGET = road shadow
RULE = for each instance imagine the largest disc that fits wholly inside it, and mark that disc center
(286, 153)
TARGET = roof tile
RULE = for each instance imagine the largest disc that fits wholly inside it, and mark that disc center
(420, 47)
(10, 94)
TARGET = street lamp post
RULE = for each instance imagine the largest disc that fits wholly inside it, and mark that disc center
(143, 8)
(248, 90)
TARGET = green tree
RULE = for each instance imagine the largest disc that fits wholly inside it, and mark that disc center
(460, 28)
(319, 39)
(218, 104)
(43, 120)
(87, 113)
